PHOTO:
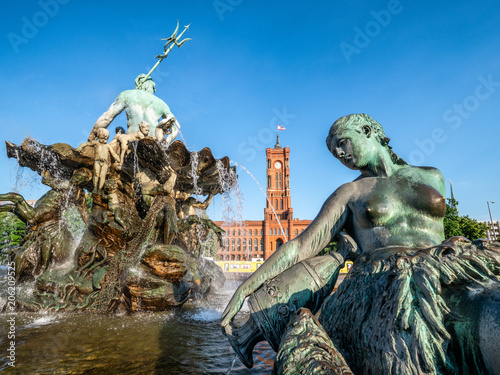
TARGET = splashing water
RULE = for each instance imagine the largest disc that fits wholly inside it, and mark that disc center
(194, 172)
(265, 195)
(232, 365)
(231, 196)
(183, 139)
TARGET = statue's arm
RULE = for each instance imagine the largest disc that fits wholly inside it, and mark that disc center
(205, 204)
(173, 133)
(113, 153)
(330, 220)
(173, 128)
(105, 119)
(88, 143)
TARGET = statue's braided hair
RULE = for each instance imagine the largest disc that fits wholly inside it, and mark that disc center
(356, 121)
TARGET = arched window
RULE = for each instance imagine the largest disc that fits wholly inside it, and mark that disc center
(238, 257)
(280, 181)
(226, 243)
(268, 181)
(271, 232)
(255, 245)
(269, 163)
(279, 242)
(232, 257)
(244, 232)
(232, 244)
(275, 204)
(286, 231)
(279, 232)
(244, 244)
(261, 232)
(255, 232)
(261, 244)
(227, 257)
(281, 204)
(239, 245)
(239, 232)
(233, 232)
(276, 180)
(296, 231)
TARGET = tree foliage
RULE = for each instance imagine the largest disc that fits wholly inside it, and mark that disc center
(332, 246)
(11, 233)
(456, 225)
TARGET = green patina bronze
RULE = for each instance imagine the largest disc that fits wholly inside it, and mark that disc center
(403, 307)
(142, 244)
(141, 104)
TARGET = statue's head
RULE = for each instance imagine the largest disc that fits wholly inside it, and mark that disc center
(102, 135)
(352, 138)
(81, 176)
(144, 128)
(148, 85)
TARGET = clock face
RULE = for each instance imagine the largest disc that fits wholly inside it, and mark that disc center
(277, 165)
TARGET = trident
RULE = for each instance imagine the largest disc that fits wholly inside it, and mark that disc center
(174, 40)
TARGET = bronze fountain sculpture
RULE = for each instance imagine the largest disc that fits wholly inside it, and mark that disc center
(138, 252)
(413, 302)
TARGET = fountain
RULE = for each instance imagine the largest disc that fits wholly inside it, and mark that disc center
(141, 250)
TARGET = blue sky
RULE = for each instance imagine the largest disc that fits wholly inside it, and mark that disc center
(429, 72)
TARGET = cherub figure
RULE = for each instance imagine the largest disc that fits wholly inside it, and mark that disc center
(185, 204)
(102, 158)
(114, 206)
(118, 131)
(124, 139)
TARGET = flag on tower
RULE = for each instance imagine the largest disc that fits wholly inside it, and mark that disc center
(281, 127)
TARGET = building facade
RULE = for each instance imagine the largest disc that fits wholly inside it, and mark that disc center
(258, 239)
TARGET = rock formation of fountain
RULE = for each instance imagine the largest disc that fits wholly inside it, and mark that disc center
(140, 251)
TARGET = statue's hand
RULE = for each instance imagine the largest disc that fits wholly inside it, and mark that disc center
(348, 248)
(233, 307)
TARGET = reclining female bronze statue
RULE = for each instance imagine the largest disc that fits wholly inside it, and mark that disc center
(403, 308)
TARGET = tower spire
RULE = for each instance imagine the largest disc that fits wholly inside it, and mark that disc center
(277, 145)
(454, 201)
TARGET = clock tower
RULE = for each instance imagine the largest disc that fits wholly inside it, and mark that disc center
(259, 239)
(278, 183)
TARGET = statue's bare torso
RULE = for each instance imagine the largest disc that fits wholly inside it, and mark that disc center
(405, 209)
